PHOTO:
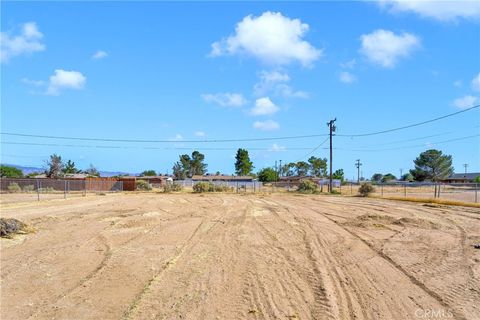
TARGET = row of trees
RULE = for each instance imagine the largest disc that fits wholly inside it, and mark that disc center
(54, 168)
(431, 165)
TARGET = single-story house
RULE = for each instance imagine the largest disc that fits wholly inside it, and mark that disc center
(462, 177)
(130, 182)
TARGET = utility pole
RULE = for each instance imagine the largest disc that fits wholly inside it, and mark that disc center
(276, 168)
(358, 164)
(332, 128)
(280, 173)
(465, 165)
(401, 174)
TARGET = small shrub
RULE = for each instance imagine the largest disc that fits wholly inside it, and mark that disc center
(172, 187)
(365, 189)
(8, 227)
(201, 187)
(222, 188)
(307, 186)
(28, 188)
(143, 185)
(14, 187)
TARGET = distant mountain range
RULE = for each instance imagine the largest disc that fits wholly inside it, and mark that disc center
(26, 170)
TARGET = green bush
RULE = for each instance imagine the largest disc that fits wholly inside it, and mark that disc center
(172, 187)
(28, 188)
(143, 185)
(307, 186)
(14, 187)
(203, 187)
(365, 189)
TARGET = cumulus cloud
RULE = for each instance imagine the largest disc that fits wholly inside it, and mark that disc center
(100, 54)
(476, 82)
(225, 99)
(267, 125)
(199, 134)
(385, 48)
(275, 82)
(347, 77)
(63, 79)
(28, 41)
(465, 102)
(438, 10)
(264, 106)
(272, 38)
(178, 137)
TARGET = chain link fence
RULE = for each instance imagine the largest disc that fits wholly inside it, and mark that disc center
(18, 190)
(235, 186)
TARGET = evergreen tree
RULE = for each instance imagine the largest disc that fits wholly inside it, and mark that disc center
(243, 164)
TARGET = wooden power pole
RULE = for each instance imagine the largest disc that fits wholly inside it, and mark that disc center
(332, 128)
(358, 164)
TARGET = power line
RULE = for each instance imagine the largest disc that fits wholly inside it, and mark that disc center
(145, 147)
(408, 126)
(313, 150)
(236, 140)
(413, 146)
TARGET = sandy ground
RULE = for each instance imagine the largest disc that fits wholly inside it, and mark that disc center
(187, 256)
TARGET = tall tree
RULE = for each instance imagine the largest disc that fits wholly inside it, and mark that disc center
(10, 172)
(243, 164)
(288, 169)
(377, 177)
(302, 168)
(54, 166)
(388, 177)
(339, 175)
(70, 168)
(189, 166)
(432, 165)
(92, 171)
(267, 175)
(148, 173)
(318, 166)
(197, 166)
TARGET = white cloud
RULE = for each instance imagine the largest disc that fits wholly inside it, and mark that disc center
(349, 64)
(35, 83)
(63, 79)
(476, 82)
(277, 148)
(99, 55)
(458, 83)
(385, 48)
(440, 10)
(347, 77)
(27, 42)
(272, 38)
(178, 137)
(465, 102)
(275, 82)
(267, 125)
(200, 134)
(225, 99)
(264, 106)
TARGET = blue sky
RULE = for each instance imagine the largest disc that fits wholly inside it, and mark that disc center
(223, 70)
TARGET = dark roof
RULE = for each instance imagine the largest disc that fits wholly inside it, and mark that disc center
(468, 176)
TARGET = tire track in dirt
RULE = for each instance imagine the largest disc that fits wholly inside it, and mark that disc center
(411, 277)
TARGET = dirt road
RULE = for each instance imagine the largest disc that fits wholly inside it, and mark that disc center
(185, 256)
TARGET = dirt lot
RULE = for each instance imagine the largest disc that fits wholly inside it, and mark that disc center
(186, 256)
